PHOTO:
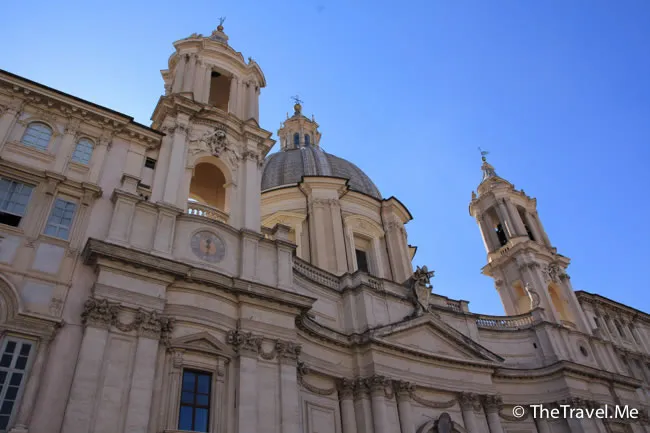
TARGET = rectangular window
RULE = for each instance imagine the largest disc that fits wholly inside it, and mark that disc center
(195, 401)
(60, 220)
(14, 359)
(14, 197)
(150, 163)
(362, 260)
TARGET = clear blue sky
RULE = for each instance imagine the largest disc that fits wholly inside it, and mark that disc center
(558, 91)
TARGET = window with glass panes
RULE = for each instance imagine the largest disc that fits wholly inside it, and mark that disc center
(83, 151)
(14, 197)
(60, 220)
(14, 360)
(37, 135)
(195, 401)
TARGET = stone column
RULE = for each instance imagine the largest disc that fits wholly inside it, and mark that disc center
(505, 219)
(289, 395)
(467, 401)
(177, 160)
(256, 103)
(487, 234)
(378, 386)
(177, 86)
(8, 120)
(516, 219)
(533, 228)
(538, 224)
(233, 106)
(207, 85)
(188, 83)
(98, 316)
(250, 96)
(542, 425)
(142, 381)
(31, 389)
(403, 392)
(338, 240)
(362, 406)
(492, 403)
(348, 420)
(492, 234)
(197, 77)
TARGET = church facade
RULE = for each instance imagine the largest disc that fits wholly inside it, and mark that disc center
(178, 277)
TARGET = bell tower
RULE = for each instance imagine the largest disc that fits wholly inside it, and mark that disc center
(211, 157)
(527, 270)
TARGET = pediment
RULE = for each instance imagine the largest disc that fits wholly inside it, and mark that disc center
(428, 334)
(202, 342)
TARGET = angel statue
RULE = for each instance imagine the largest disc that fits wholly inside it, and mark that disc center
(421, 288)
(532, 295)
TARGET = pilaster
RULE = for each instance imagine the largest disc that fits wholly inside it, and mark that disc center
(403, 392)
(8, 119)
(467, 402)
(176, 165)
(346, 400)
(492, 404)
(67, 143)
(377, 385)
(362, 406)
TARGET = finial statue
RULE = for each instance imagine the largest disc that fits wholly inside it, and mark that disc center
(297, 106)
(221, 21)
(484, 153)
(532, 295)
(421, 289)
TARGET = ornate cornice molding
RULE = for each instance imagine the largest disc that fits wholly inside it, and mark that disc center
(247, 343)
(102, 313)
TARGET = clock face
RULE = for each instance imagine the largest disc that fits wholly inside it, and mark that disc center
(208, 247)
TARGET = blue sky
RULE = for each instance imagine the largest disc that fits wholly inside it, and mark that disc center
(557, 91)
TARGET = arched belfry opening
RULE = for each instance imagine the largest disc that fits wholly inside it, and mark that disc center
(208, 195)
(219, 95)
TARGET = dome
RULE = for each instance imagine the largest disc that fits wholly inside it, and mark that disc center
(289, 166)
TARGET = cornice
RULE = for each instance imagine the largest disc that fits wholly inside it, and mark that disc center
(366, 339)
(95, 249)
(49, 99)
(602, 301)
(564, 367)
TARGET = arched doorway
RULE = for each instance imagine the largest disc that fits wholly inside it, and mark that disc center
(208, 196)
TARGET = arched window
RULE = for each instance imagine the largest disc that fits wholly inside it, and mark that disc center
(83, 151)
(306, 139)
(37, 135)
(296, 140)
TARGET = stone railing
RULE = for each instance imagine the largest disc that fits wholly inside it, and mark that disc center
(200, 209)
(315, 274)
(505, 322)
(454, 305)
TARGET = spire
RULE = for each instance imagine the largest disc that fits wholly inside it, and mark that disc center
(486, 168)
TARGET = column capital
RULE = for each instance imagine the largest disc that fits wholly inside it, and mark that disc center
(361, 388)
(492, 403)
(467, 400)
(244, 343)
(403, 389)
(378, 384)
(287, 351)
(346, 389)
